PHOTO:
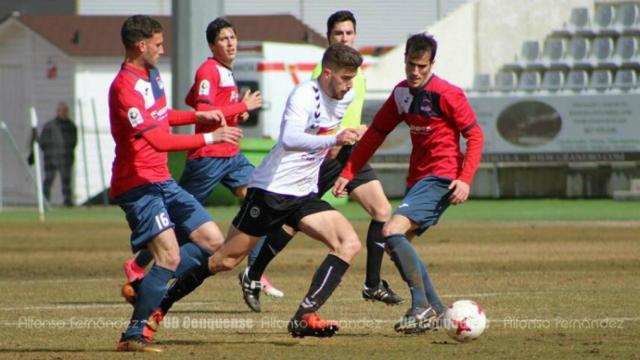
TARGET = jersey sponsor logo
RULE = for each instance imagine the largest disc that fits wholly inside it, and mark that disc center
(254, 212)
(204, 87)
(135, 117)
(159, 114)
(420, 129)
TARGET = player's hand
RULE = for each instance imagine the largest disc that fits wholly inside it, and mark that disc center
(361, 130)
(347, 137)
(244, 117)
(228, 134)
(340, 187)
(460, 192)
(253, 100)
(211, 117)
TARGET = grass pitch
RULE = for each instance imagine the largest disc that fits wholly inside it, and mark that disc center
(552, 289)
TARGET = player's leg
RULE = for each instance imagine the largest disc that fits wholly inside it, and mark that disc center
(269, 247)
(198, 178)
(368, 192)
(236, 180)
(333, 229)
(152, 227)
(422, 207)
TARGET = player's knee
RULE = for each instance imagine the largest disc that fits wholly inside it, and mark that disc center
(381, 213)
(390, 229)
(351, 245)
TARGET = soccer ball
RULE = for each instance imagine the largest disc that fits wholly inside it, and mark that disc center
(464, 320)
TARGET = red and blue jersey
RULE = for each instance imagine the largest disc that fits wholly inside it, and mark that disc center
(215, 88)
(437, 115)
(140, 126)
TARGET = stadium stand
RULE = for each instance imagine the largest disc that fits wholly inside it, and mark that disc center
(593, 52)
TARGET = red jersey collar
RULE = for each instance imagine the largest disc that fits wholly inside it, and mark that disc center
(219, 63)
(142, 73)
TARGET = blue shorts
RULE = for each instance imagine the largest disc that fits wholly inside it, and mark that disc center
(201, 175)
(425, 202)
(155, 207)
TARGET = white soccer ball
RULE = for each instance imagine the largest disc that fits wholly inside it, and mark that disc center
(464, 320)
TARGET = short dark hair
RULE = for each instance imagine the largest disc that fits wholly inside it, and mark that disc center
(137, 28)
(214, 28)
(338, 17)
(340, 56)
(421, 43)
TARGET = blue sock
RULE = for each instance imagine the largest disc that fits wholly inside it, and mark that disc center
(191, 255)
(408, 263)
(253, 255)
(429, 290)
(192, 271)
(150, 294)
(143, 258)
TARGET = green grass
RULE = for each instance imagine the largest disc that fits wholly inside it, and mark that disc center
(473, 210)
(552, 291)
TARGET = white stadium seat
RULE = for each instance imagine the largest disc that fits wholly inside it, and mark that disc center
(577, 80)
(628, 19)
(627, 51)
(578, 52)
(604, 19)
(626, 79)
(601, 53)
(529, 81)
(482, 83)
(554, 51)
(506, 80)
(601, 80)
(553, 80)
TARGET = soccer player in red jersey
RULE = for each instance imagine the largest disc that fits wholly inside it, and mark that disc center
(214, 88)
(437, 114)
(159, 212)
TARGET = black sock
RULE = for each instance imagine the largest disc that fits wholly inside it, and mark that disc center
(184, 285)
(375, 253)
(324, 282)
(273, 244)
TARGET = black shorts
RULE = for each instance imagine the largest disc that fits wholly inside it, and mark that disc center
(264, 212)
(331, 169)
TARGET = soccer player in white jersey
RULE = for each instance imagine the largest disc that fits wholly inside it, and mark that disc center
(283, 190)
